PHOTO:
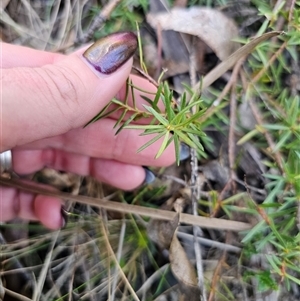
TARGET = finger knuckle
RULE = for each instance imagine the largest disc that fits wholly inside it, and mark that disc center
(63, 85)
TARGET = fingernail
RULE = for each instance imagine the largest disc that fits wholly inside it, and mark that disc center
(149, 175)
(185, 151)
(111, 52)
(64, 217)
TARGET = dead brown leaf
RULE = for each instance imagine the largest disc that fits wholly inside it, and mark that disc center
(210, 25)
(184, 271)
(164, 233)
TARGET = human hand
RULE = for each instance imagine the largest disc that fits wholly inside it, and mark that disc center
(47, 98)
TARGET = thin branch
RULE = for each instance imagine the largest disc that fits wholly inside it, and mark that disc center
(217, 273)
(212, 223)
(99, 20)
(15, 295)
(231, 135)
(211, 243)
(260, 122)
(196, 187)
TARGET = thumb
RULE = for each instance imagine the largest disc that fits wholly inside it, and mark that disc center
(55, 98)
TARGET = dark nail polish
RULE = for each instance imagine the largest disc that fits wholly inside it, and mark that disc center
(185, 151)
(149, 175)
(64, 217)
(111, 52)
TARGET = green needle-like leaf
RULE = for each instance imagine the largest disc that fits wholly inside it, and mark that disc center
(120, 119)
(102, 114)
(184, 138)
(126, 122)
(163, 145)
(177, 148)
(158, 116)
(157, 96)
(118, 102)
(144, 127)
(158, 129)
(153, 140)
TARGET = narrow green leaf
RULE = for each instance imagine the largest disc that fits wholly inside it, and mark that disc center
(133, 97)
(184, 138)
(277, 234)
(278, 127)
(157, 96)
(184, 111)
(177, 148)
(188, 89)
(158, 116)
(144, 127)
(159, 129)
(258, 228)
(169, 111)
(154, 139)
(183, 100)
(170, 140)
(132, 117)
(294, 110)
(191, 131)
(296, 280)
(101, 114)
(248, 136)
(282, 141)
(142, 90)
(196, 141)
(275, 191)
(197, 128)
(118, 102)
(192, 118)
(128, 85)
(163, 145)
(120, 119)
(149, 100)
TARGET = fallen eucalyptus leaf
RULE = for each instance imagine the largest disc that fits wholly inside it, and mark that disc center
(210, 25)
(183, 271)
(162, 232)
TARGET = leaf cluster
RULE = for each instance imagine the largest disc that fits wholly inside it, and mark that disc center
(177, 122)
(276, 235)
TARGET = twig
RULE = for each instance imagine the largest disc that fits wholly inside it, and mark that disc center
(147, 76)
(159, 51)
(259, 120)
(269, 63)
(231, 135)
(217, 273)
(211, 243)
(99, 20)
(195, 187)
(175, 179)
(213, 223)
(15, 295)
